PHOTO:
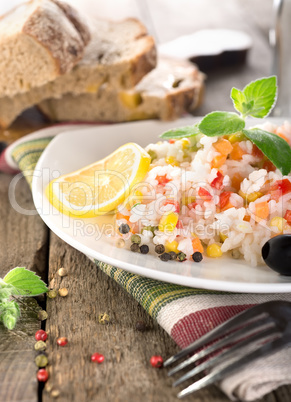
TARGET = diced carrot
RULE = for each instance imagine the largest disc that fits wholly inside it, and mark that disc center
(223, 146)
(172, 141)
(257, 152)
(224, 202)
(119, 215)
(218, 161)
(279, 188)
(162, 179)
(287, 216)
(204, 194)
(247, 218)
(282, 136)
(218, 181)
(237, 152)
(262, 210)
(236, 181)
(197, 245)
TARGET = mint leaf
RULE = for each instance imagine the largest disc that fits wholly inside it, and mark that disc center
(273, 147)
(25, 282)
(257, 99)
(180, 132)
(220, 123)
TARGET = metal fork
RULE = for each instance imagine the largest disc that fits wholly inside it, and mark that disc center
(250, 335)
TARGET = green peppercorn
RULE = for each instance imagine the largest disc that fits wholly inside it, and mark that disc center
(134, 247)
(165, 257)
(173, 255)
(152, 154)
(181, 256)
(40, 346)
(144, 249)
(124, 228)
(41, 360)
(197, 256)
(160, 249)
(135, 239)
(150, 228)
(52, 293)
(42, 315)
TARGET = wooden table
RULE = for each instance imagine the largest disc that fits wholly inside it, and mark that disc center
(26, 241)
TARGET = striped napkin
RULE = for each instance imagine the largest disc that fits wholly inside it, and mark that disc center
(185, 313)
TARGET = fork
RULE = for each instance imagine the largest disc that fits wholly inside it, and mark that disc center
(250, 335)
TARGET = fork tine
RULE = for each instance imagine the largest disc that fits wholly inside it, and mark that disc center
(219, 331)
(236, 365)
(233, 336)
(229, 353)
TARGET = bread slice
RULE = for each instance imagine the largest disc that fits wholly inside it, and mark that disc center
(39, 41)
(120, 54)
(167, 92)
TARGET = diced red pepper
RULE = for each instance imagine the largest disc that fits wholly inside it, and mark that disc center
(268, 165)
(204, 194)
(279, 188)
(179, 225)
(224, 200)
(257, 152)
(162, 179)
(287, 216)
(174, 203)
(192, 205)
(218, 181)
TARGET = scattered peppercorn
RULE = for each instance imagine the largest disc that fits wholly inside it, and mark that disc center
(165, 257)
(63, 292)
(41, 360)
(97, 358)
(40, 346)
(42, 315)
(62, 341)
(134, 247)
(157, 361)
(104, 319)
(124, 228)
(42, 375)
(181, 256)
(135, 239)
(52, 293)
(150, 228)
(160, 249)
(40, 335)
(62, 272)
(144, 249)
(140, 326)
(120, 243)
(55, 393)
(173, 255)
(197, 256)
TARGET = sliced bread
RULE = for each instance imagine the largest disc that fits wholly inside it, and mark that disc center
(167, 92)
(120, 54)
(39, 41)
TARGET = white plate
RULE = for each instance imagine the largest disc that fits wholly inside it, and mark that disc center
(72, 150)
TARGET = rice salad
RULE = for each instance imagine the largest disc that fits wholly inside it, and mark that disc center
(209, 196)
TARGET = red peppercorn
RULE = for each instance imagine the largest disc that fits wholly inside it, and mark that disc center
(157, 361)
(40, 335)
(42, 375)
(97, 358)
(62, 341)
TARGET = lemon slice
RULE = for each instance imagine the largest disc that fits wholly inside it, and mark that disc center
(100, 187)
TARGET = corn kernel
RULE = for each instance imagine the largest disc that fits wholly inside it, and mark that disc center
(168, 222)
(278, 222)
(250, 197)
(185, 143)
(130, 99)
(171, 160)
(236, 137)
(214, 251)
(172, 246)
(222, 237)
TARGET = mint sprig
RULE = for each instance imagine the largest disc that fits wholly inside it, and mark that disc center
(18, 282)
(257, 99)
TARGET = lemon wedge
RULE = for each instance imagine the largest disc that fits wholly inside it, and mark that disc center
(100, 187)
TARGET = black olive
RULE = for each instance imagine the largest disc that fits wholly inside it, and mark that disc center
(276, 253)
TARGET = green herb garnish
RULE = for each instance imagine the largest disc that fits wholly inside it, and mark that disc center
(257, 100)
(19, 282)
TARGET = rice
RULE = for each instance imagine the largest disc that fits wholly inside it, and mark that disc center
(226, 199)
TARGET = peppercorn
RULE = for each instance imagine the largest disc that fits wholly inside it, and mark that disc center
(42, 375)
(97, 358)
(160, 249)
(181, 256)
(63, 292)
(52, 293)
(134, 247)
(197, 256)
(41, 360)
(165, 257)
(40, 346)
(173, 255)
(104, 319)
(140, 326)
(120, 243)
(40, 335)
(55, 393)
(62, 341)
(135, 239)
(150, 228)
(62, 272)
(157, 361)
(124, 228)
(42, 315)
(144, 249)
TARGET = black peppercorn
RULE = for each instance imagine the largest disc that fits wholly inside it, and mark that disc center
(173, 255)
(159, 249)
(134, 247)
(165, 257)
(124, 228)
(144, 249)
(197, 256)
(140, 326)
